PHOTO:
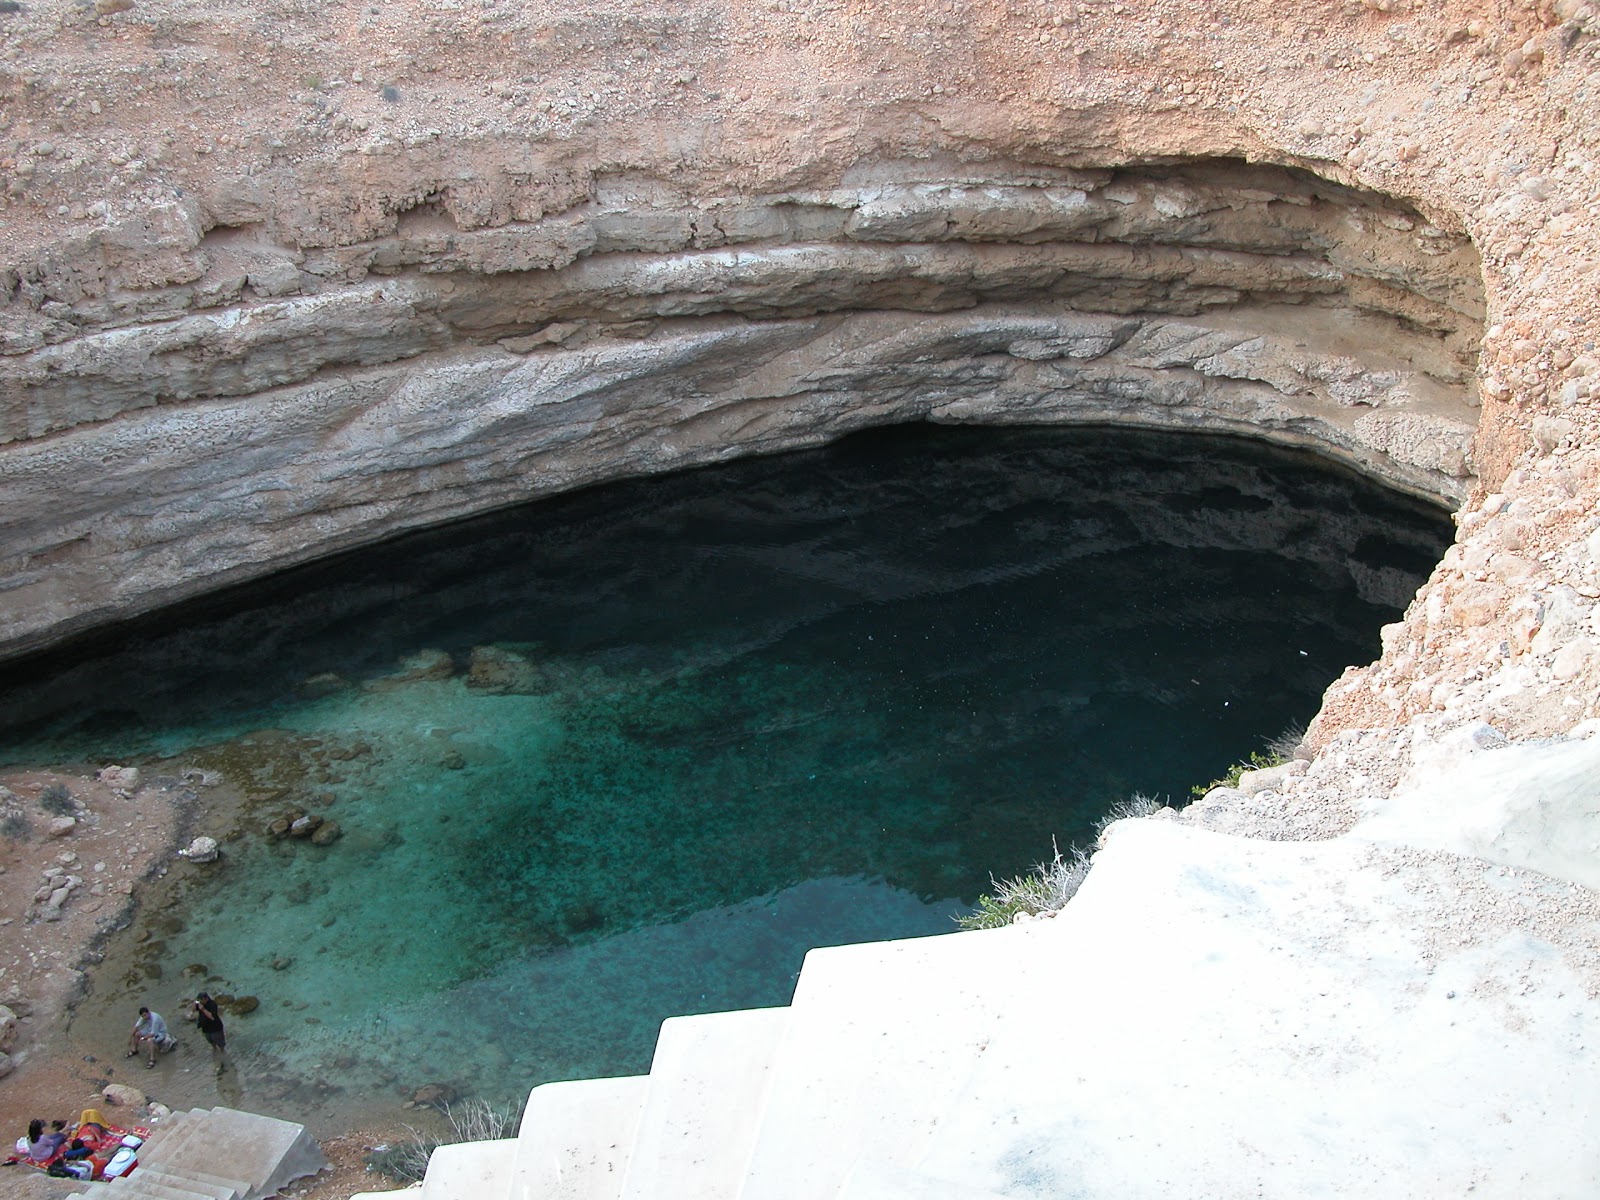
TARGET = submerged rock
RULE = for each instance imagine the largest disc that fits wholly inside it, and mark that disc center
(503, 672)
(327, 833)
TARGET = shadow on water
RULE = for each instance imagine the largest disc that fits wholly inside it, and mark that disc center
(630, 752)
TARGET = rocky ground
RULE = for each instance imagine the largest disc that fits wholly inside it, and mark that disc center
(126, 829)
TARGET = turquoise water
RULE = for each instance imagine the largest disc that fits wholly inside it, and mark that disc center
(630, 753)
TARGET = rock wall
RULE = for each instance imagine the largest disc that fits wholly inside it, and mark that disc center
(280, 283)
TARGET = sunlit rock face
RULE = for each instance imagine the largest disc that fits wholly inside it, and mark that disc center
(215, 432)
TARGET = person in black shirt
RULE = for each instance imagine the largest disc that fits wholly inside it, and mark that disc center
(210, 1022)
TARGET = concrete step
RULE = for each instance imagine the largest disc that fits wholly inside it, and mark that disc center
(256, 1155)
(176, 1131)
(575, 1140)
(876, 1031)
(707, 1087)
(199, 1181)
(875, 1181)
(137, 1184)
(470, 1171)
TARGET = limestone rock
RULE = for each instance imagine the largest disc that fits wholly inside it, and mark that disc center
(8, 1028)
(1549, 432)
(124, 779)
(62, 826)
(122, 1095)
(1270, 778)
(7, 1065)
(201, 850)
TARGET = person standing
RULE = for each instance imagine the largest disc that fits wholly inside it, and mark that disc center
(149, 1033)
(209, 1019)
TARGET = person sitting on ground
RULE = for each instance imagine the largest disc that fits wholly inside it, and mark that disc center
(149, 1032)
(25, 1143)
(42, 1147)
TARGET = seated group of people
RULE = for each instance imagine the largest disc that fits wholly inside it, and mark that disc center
(89, 1151)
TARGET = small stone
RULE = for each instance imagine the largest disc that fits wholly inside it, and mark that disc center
(435, 1095)
(453, 761)
(282, 963)
(1549, 432)
(62, 826)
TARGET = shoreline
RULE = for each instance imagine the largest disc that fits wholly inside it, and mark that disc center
(61, 1065)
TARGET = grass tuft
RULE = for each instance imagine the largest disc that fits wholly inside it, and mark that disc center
(1136, 805)
(1046, 888)
(406, 1161)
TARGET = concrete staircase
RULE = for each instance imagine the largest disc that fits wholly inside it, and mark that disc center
(1211, 1016)
(216, 1154)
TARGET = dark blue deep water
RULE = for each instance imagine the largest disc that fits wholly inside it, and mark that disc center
(629, 752)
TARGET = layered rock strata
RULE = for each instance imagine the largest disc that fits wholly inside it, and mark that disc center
(290, 402)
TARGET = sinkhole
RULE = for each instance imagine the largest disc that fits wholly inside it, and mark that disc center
(629, 752)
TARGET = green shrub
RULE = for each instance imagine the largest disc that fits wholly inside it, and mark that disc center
(1256, 762)
(57, 801)
(15, 825)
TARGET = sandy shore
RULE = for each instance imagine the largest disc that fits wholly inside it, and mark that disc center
(123, 843)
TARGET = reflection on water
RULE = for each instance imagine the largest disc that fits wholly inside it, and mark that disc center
(629, 753)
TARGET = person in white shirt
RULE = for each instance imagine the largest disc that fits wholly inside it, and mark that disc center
(150, 1034)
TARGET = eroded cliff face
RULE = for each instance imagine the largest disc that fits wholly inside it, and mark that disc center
(280, 283)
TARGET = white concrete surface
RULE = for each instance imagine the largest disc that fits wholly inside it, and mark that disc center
(708, 1085)
(470, 1170)
(575, 1140)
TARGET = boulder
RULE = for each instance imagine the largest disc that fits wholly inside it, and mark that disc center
(124, 779)
(304, 827)
(1270, 778)
(122, 1095)
(62, 826)
(201, 850)
(8, 1028)
(435, 1095)
(7, 1065)
(327, 833)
